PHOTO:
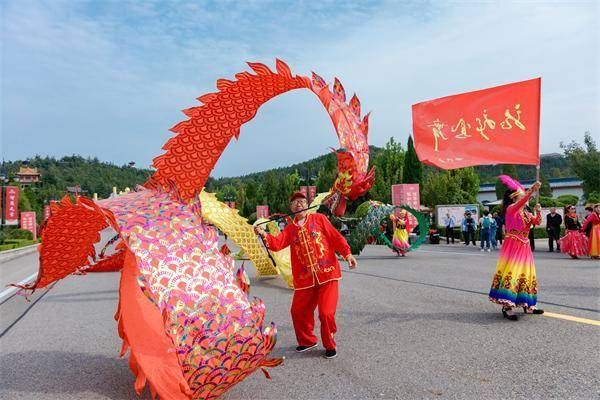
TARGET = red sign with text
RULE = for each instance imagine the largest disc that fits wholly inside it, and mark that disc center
(11, 205)
(29, 223)
(262, 212)
(47, 212)
(499, 125)
(407, 194)
(310, 192)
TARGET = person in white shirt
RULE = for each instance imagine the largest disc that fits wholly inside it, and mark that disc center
(449, 222)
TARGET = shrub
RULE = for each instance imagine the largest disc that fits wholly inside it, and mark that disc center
(567, 199)
(12, 232)
(362, 210)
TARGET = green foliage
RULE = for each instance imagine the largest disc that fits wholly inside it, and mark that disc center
(9, 234)
(389, 165)
(585, 163)
(545, 189)
(507, 169)
(327, 174)
(553, 165)
(593, 198)
(92, 175)
(362, 210)
(413, 168)
(567, 199)
(458, 186)
(547, 201)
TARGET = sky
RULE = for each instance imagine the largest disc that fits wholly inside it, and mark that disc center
(107, 79)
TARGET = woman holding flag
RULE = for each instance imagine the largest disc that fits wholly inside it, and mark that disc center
(515, 282)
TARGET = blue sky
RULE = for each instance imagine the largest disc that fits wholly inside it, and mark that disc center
(107, 78)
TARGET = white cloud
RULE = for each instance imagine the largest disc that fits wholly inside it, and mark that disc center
(108, 79)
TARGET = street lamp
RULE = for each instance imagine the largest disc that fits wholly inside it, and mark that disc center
(228, 199)
(3, 182)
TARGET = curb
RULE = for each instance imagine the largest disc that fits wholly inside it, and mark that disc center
(7, 255)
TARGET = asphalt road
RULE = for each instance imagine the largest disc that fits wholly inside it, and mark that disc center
(418, 327)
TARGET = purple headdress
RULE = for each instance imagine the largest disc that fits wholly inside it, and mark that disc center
(512, 184)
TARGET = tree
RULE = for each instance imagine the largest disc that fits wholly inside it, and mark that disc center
(507, 169)
(585, 163)
(413, 169)
(450, 187)
(327, 174)
(389, 165)
(545, 189)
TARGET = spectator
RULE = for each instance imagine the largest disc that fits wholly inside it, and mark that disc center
(470, 227)
(500, 227)
(493, 232)
(485, 225)
(553, 222)
(449, 222)
(531, 233)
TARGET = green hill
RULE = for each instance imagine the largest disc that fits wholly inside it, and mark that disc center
(271, 186)
(92, 175)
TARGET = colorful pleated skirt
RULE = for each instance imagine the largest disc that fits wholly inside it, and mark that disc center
(594, 245)
(515, 282)
(574, 243)
(400, 240)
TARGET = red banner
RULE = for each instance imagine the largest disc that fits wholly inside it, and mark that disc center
(29, 223)
(46, 212)
(310, 192)
(407, 194)
(11, 205)
(262, 212)
(499, 125)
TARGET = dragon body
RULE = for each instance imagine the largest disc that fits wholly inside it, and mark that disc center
(184, 314)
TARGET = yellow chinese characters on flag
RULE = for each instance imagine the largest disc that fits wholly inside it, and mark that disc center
(499, 125)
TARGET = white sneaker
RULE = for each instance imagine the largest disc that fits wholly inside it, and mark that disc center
(489, 250)
(482, 249)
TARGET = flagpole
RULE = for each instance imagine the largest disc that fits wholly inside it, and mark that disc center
(537, 179)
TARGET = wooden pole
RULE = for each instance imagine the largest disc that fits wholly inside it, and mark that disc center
(537, 179)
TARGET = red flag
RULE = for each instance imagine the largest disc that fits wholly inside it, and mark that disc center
(11, 205)
(499, 125)
(262, 211)
(29, 223)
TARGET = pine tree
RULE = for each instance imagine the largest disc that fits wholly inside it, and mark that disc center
(413, 169)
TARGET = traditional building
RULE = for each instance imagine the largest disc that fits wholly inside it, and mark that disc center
(75, 190)
(559, 186)
(28, 176)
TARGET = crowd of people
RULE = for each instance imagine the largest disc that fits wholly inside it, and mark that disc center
(490, 230)
(489, 227)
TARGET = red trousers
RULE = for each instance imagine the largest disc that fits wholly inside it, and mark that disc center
(305, 301)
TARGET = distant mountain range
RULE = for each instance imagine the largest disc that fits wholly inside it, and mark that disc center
(95, 176)
(553, 165)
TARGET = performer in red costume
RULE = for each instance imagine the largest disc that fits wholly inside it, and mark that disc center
(313, 243)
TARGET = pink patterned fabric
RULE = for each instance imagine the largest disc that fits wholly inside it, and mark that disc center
(181, 270)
